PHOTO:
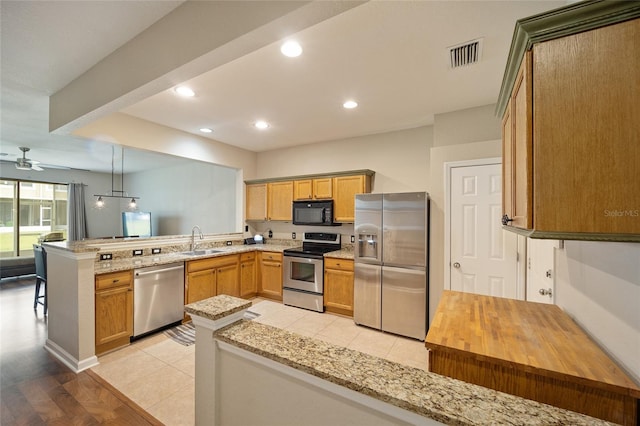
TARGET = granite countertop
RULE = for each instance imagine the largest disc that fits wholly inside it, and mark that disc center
(217, 307)
(124, 264)
(344, 253)
(173, 252)
(434, 396)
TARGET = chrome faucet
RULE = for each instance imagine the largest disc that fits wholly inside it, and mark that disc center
(193, 237)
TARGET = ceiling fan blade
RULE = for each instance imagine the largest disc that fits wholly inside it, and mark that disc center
(36, 168)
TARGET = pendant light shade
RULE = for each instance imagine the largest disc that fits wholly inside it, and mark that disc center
(116, 193)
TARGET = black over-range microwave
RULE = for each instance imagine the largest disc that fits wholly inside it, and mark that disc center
(316, 213)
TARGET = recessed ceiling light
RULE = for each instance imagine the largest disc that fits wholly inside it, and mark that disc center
(206, 130)
(350, 104)
(291, 49)
(261, 124)
(184, 91)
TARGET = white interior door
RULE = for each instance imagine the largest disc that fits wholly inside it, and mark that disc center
(541, 270)
(483, 256)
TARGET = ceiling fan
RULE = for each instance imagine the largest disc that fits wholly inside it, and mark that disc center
(25, 163)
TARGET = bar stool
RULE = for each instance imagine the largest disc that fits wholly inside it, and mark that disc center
(41, 276)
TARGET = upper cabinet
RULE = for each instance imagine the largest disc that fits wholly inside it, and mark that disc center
(272, 199)
(571, 124)
(279, 200)
(313, 189)
(256, 202)
(517, 151)
(344, 198)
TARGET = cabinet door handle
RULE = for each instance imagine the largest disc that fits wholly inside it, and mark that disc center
(506, 220)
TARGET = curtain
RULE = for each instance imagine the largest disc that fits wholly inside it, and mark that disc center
(77, 214)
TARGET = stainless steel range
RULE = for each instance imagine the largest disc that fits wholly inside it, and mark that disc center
(303, 284)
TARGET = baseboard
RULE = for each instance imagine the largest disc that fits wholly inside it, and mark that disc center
(67, 359)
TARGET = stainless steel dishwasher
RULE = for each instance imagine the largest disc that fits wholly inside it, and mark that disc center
(158, 297)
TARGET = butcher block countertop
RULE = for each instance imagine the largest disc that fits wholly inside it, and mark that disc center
(539, 341)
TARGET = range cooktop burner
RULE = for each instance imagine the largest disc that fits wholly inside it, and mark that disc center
(315, 244)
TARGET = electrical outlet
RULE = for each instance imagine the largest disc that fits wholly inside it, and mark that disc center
(293, 235)
(270, 233)
(137, 252)
(106, 256)
(156, 250)
(229, 243)
(246, 228)
(353, 238)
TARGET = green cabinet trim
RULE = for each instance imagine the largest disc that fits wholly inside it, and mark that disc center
(548, 235)
(365, 172)
(556, 23)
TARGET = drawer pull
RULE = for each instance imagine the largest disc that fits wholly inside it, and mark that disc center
(115, 281)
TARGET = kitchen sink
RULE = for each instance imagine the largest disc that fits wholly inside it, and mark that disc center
(201, 252)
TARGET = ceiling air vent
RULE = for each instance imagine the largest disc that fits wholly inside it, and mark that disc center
(465, 54)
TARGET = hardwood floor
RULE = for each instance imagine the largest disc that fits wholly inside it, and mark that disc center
(37, 389)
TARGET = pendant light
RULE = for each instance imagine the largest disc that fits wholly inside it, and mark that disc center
(116, 193)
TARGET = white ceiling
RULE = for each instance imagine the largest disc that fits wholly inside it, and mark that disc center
(389, 56)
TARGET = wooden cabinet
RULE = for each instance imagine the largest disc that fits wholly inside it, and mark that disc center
(256, 201)
(313, 189)
(113, 310)
(228, 278)
(518, 151)
(271, 275)
(272, 200)
(571, 131)
(248, 275)
(345, 189)
(279, 200)
(338, 285)
(212, 276)
(200, 280)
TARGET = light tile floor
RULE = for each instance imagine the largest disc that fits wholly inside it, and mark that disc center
(158, 373)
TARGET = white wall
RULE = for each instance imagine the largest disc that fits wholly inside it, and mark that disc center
(182, 196)
(400, 159)
(598, 284)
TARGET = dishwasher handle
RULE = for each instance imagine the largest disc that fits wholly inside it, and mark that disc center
(141, 273)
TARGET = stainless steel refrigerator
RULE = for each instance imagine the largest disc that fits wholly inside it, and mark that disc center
(391, 257)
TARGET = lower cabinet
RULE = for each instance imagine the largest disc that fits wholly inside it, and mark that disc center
(338, 285)
(228, 277)
(212, 276)
(271, 275)
(114, 310)
(248, 275)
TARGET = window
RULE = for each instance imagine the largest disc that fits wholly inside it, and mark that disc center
(28, 211)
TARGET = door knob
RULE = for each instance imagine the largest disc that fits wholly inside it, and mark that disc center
(456, 265)
(545, 292)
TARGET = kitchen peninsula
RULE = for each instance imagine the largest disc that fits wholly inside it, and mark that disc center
(293, 379)
(73, 267)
